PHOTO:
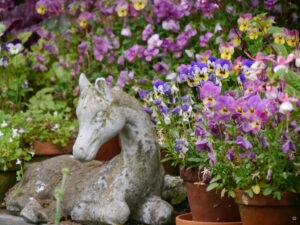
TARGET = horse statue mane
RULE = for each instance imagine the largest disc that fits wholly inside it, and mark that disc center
(96, 192)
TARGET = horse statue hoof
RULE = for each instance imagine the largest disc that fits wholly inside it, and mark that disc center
(129, 185)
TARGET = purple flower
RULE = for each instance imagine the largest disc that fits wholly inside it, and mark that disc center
(147, 32)
(205, 38)
(149, 111)
(186, 107)
(208, 94)
(289, 146)
(149, 54)
(124, 77)
(170, 24)
(200, 131)
(101, 47)
(166, 44)
(83, 48)
(269, 4)
(161, 67)
(242, 155)
(200, 71)
(176, 111)
(157, 102)
(25, 84)
(243, 143)
(145, 95)
(164, 110)
(211, 63)
(224, 106)
(50, 48)
(230, 155)
(217, 130)
(204, 145)
(133, 52)
(263, 141)
(83, 19)
(121, 60)
(212, 158)
(40, 59)
(177, 148)
(247, 65)
(251, 155)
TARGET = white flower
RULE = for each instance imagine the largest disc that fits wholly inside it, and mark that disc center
(56, 126)
(4, 61)
(4, 124)
(286, 107)
(189, 53)
(10, 140)
(14, 48)
(126, 32)
(15, 133)
(171, 76)
(278, 67)
(154, 42)
(298, 62)
(18, 162)
(167, 119)
(1, 133)
(55, 113)
(31, 153)
(217, 28)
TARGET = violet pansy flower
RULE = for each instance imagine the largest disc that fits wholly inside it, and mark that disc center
(208, 94)
(243, 143)
(204, 145)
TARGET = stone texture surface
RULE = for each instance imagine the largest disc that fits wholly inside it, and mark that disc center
(174, 190)
(129, 185)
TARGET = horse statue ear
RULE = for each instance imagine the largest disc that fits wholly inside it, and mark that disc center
(83, 82)
(102, 88)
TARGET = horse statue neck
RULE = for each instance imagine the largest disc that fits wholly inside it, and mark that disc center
(137, 136)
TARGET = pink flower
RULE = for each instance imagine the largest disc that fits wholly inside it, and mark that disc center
(147, 32)
(149, 54)
(282, 63)
(205, 38)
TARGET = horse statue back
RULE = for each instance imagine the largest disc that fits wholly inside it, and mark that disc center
(96, 192)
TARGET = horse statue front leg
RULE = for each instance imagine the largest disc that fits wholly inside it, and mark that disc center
(108, 211)
(153, 210)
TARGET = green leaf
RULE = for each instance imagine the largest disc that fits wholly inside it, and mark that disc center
(274, 29)
(250, 193)
(293, 84)
(267, 191)
(212, 186)
(194, 159)
(281, 73)
(223, 192)
(216, 178)
(277, 195)
(232, 194)
(281, 50)
(24, 36)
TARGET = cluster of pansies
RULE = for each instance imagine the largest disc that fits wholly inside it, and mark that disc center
(205, 126)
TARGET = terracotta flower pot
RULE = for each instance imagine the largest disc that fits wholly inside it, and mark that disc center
(187, 219)
(169, 169)
(269, 211)
(48, 148)
(109, 149)
(208, 206)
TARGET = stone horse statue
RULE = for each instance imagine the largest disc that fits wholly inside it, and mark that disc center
(100, 192)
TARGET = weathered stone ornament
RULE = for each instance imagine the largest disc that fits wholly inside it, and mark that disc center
(96, 192)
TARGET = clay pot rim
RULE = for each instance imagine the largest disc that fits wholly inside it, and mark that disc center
(287, 199)
(187, 219)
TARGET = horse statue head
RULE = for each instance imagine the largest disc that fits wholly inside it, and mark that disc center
(98, 120)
